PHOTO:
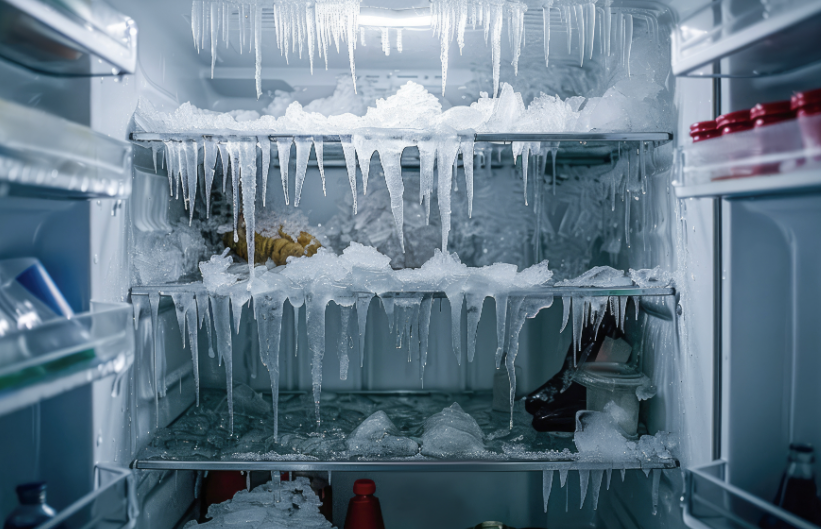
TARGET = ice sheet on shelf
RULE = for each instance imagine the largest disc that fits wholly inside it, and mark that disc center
(280, 504)
(424, 419)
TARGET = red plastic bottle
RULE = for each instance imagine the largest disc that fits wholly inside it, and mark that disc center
(704, 130)
(363, 509)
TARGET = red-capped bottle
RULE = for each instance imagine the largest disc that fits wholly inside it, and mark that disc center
(363, 509)
(704, 130)
(732, 122)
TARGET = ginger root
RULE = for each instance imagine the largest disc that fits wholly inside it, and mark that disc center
(277, 249)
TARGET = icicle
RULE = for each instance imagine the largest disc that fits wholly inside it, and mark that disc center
(265, 147)
(427, 159)
(623, 470)
(456, 300)
(516, 28)
(159, 358)
(399, 40)
(562, 477)
(628, 40)
(597, 478)
(225, 156)
(622, 310)
(466, 146)
(424, 333)
(204, 314)
(496, 9)
(364, 151)
(636, 303)
(315, 306)
(319, 147)
(362, 37)
(268, 314)
(233, 150)
(209, 161)
(390, 153)
(655, 490)
(284, 155)
(501, 324)
(579, 15)
(608, 14)
(554, 149)
(170, 165)
(182, 153)
(609, 475)
(214, 7)
(257, 14)
(191, 154)
(363, 301)
(475, 302)
(342, 347)
(584, 478)
(566, 10)
(446, 152)
(303, 152)
(310, 32)
(547, 486)
(248, 155)
(220, 309)
(546, 20)
(350, 163)
(196, 21)
(590, 26)
(156, 148)
(386, 42)
(577, 309)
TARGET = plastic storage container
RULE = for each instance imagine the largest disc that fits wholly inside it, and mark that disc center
(807, 106)
(620, 383)
(704, 130)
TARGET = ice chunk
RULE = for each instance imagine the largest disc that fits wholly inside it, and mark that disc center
(378, 436)
(599, 276)
(599, 432)
(452, 433)
(652, 278)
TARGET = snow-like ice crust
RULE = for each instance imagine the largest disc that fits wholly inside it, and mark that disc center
(280, 504)
(378, 436)
(451, 433)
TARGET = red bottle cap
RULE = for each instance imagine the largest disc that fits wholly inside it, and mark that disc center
(734, 122)
(364, 487)
(703, 130)
(807, 103)
(767, 113)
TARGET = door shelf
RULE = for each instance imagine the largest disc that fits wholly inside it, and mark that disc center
(42, 155)
(795, 182)
(64, 354)
(198, 440)
(758, 39)
(710, 502)
(68, 38)
(113, 502)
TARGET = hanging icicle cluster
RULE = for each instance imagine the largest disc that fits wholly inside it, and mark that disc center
(299, 24)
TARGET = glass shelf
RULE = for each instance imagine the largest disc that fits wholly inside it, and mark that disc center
(198, 440)
(795, 182)
(710, 502)
(68, 37)
(63, 354)
(759, 38)
(113, 502)
(42, 155)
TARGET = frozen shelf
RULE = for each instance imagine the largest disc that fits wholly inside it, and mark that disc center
(113, 503)
(759, 39)
(43, 155)
(198, 439)
(167, 290)
(710, 502)
(796, 182)
(64, 354)
(68, 37)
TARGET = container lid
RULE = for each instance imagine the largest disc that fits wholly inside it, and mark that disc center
(364, 487)
(611, 376)
(32, 493)
(810, 97)
(702, 126)
(770, 109)
(739, 116)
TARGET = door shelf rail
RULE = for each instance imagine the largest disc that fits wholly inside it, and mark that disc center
(64, 354)
(112, 503)
(795, 182)
(711, 502)
(42, 155)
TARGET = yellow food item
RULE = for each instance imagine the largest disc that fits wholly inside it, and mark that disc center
(277, 249)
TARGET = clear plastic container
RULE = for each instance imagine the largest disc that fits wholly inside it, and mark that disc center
(620, 383)
(807, 106)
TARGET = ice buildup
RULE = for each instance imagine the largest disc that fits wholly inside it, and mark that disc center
(452, 433)
(378, 436)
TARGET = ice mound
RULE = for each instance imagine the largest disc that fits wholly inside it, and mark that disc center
(452, 433)
(534, 276)
(280, 504)
(378, 436)
(651, 278)
(598, 435)
(411, 107)
(161, 257)
(344, 100)
(599, 276)
(215, 271)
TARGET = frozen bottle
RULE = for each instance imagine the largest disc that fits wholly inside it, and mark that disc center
(32, 510)
(797, 492)
(363, 509)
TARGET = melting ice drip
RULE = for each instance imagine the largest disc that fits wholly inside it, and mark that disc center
(299, 24)
(238, 159)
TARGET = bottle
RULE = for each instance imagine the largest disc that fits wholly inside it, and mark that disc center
(555, 403)
(33, 509)
(797, 492)
(363, 509)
